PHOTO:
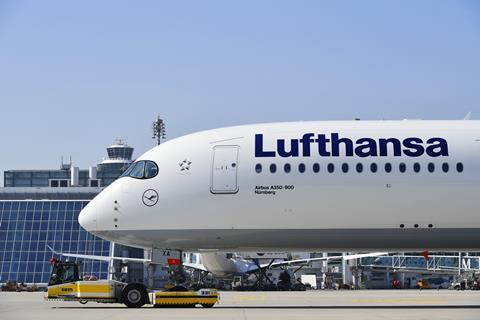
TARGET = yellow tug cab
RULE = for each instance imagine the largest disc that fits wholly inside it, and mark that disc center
(66, 285)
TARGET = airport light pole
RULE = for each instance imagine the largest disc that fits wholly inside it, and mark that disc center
(159, 130)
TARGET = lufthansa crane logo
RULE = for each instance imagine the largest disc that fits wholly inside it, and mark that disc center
(150, 198)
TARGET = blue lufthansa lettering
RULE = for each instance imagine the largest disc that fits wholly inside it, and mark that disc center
(259, 152)
(334, 146)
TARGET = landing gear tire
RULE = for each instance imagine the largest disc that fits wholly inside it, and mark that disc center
(134, 295)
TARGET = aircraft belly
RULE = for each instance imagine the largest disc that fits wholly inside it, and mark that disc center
(308, 239)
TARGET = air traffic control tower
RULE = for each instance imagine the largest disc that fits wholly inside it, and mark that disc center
(40, 207)
(119, 158)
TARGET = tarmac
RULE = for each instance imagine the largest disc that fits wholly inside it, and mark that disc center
(358, 305)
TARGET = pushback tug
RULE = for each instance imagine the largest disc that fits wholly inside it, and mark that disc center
(66, 284)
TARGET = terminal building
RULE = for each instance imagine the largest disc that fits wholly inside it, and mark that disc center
(119, 158)
(41, 207)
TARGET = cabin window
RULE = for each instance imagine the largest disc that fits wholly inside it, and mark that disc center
(373, 167)
(388, 167)
(460, 167)
(287, 167)
(273, 168)
(359, 167)
(402, 167)
(431, 167)
(416, 167)
(301, 167)
(345, 167)
(330, 167)
(316, 167)
(445, 167)
(258, 168)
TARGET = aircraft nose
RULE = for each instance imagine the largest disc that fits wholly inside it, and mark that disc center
(87, 218)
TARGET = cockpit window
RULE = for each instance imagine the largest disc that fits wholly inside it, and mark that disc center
(142, 170)
(139, 170)
(151, 169)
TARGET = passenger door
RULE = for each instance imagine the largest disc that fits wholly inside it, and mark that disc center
(224, 170)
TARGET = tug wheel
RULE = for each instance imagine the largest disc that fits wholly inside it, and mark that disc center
(134, 295)
(208, 305)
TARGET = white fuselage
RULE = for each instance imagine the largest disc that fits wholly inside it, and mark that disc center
(211, 195)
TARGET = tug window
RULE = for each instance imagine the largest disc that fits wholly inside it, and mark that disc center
(431, 167)
(316, 167)
(359, 167)
(373, 167)
(345, 167)
(416, 167)
(258, 168)
(460, 167)
(301, 167)
(402, 167)
(287, 167)
(273, 168)
(445, 167)
(388, 167)
(331, 167)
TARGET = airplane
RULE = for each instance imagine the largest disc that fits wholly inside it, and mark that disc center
(339, 186)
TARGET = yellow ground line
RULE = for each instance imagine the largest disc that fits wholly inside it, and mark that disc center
(409, 300)
(250, 297)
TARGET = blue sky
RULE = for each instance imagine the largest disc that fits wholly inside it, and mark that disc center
(76, 75)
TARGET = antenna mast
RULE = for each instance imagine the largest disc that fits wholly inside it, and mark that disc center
(159, 130)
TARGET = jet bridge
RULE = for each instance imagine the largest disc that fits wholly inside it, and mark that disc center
(449, 264)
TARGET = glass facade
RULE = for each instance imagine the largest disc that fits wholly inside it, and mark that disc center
(27, 226)
(39, 178)
(120, 152)
(109, 172)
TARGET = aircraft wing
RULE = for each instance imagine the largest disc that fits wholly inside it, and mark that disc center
(201, 267)
(197, 266)
(307, 261)
(99, 258)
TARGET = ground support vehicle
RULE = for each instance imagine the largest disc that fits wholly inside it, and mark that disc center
(66, 285)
